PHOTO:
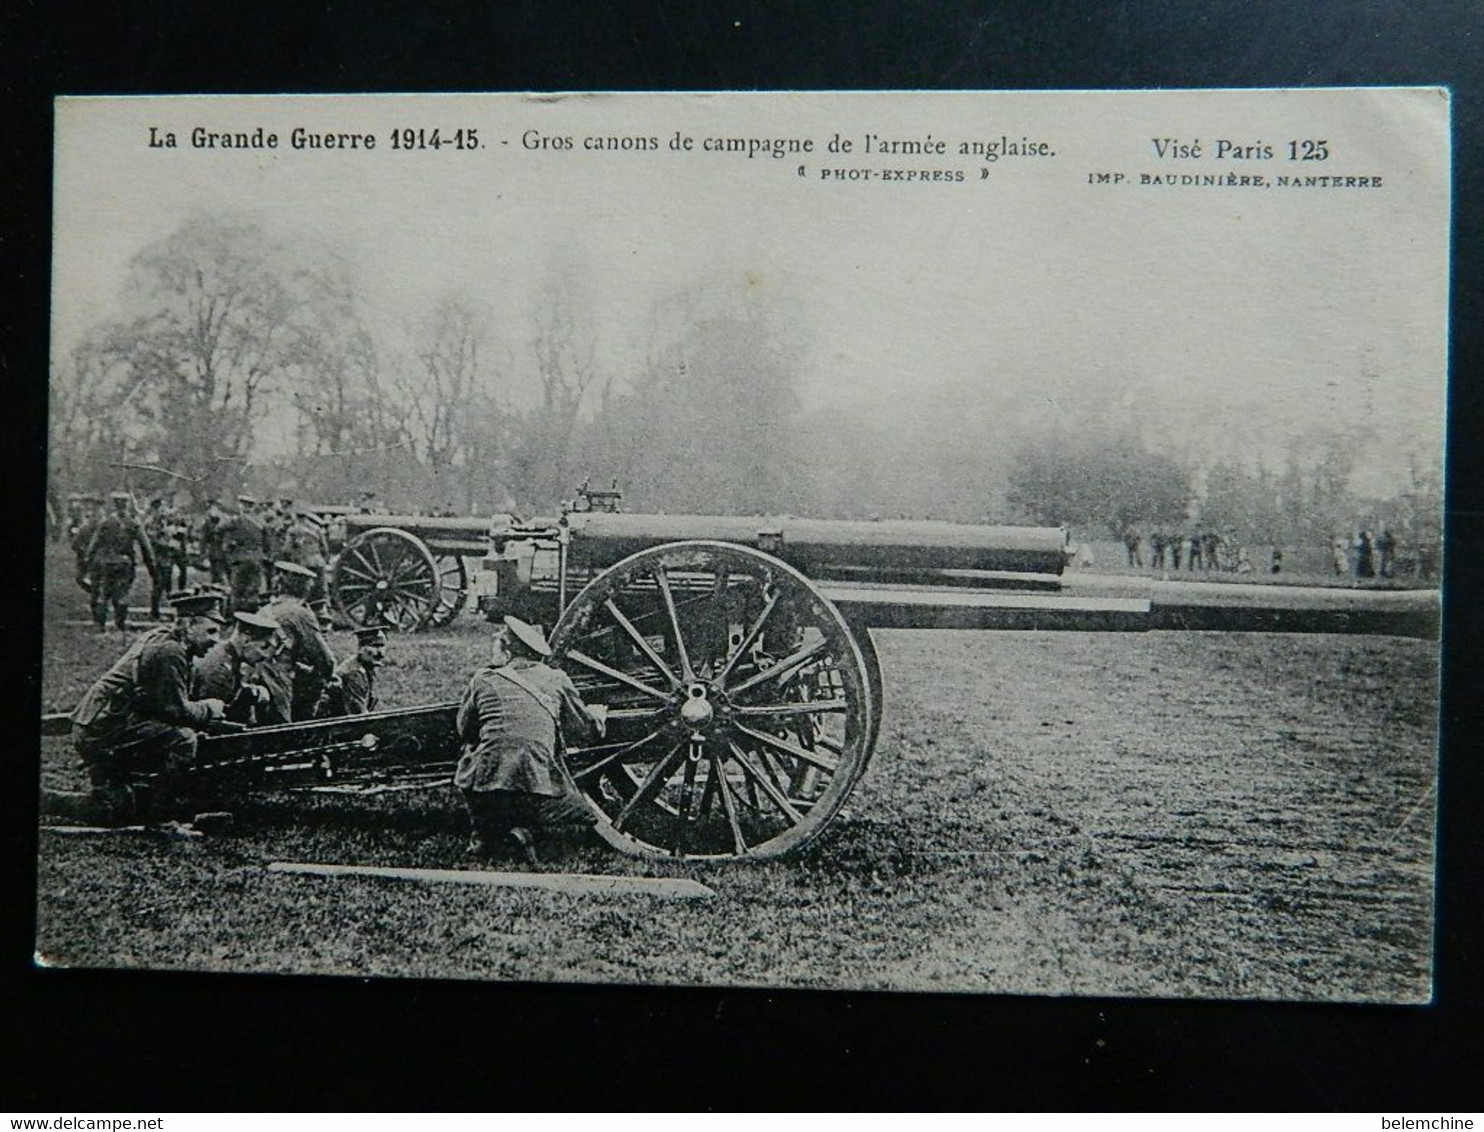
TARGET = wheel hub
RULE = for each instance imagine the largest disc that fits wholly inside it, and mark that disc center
(696, 712)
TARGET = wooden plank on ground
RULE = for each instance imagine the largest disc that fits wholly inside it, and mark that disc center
(175, 830)
(580, 884)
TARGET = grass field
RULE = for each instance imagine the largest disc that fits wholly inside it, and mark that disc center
(1169, 814)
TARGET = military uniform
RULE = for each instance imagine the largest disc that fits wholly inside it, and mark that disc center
(353, 691)
(110, 566)
(82, 535)
(166, 537)
(225, 674)
(511, 720)
(297, 675)
(211, 547)
(303, 542)
(244, 546)
(139, 720)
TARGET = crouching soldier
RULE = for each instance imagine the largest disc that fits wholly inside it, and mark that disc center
(297, 675)
(352, 690)
(511, 720)
(136, 728)
(228, 671)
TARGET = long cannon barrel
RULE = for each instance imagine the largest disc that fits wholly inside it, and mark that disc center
(451, 535)
(829, 547)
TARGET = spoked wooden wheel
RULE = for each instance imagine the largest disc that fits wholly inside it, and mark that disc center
(386, 574)
(453, 590)
(740, 707)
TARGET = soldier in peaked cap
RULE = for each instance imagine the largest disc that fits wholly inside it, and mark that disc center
(514, 714)
(297, 675)
(352, 690)
(229, 671)
(110, 561)
(136, 727)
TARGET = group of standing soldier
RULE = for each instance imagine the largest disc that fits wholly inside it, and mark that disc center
(238, 548)
(1202, 550)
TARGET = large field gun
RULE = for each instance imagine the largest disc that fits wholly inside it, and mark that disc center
(734, 655)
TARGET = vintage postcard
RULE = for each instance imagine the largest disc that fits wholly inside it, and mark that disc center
(973, 541)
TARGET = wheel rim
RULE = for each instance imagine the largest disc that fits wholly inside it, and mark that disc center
(386, 574)
(453, 590)
(740, 705)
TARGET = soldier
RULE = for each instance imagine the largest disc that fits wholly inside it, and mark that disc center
(110, 562)
(1193, 554)
(159, 528)
(297, 675)
(136, 728)
(89, 513)
(304, 542)
(1386, 553)
(511, 720)
(1131, 542)
(210, 536)
(1212, 544)
(352, 690)
(226, 672)
(244, 544)
(1365, 557)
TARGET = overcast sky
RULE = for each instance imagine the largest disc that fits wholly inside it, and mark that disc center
(1241, 310)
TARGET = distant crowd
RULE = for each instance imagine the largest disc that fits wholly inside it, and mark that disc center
(1365, 554)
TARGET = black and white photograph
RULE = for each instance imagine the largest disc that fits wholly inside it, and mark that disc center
(975, 542)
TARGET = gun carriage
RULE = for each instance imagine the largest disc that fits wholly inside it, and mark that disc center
(409, 570)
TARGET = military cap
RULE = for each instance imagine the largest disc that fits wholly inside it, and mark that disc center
(117, 495)
(367, 634)
(258, 623)
(527, 634)
(194, 604)
(293, 568)
(247, 499)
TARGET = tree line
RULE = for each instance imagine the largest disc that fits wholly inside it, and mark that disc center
(246, 359)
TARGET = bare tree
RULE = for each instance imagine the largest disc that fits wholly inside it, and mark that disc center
(210, 329)
(447, 392)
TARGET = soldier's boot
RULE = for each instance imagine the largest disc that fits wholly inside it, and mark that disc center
(121, 616)
(109, 805)
(525, 843)
(489, 823)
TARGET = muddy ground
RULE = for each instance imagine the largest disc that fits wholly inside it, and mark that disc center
(1169, 814)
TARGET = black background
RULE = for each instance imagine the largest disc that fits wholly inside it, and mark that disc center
(79, 1041)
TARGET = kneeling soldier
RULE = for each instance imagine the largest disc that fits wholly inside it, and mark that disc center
(135, 729)
(353, 689)
(512, 721)
(227, 672)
